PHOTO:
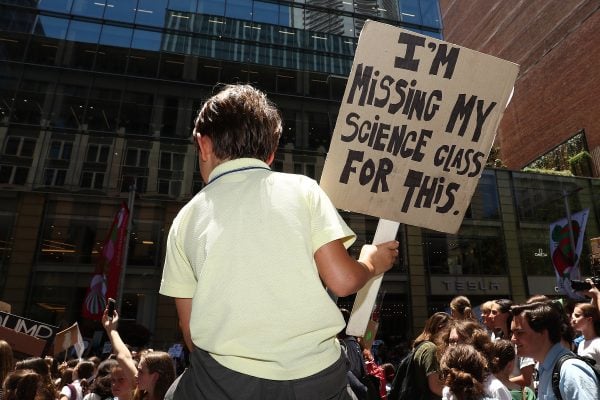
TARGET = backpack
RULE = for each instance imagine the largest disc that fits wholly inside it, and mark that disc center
(556, 371)
(403, 386)
(356, 365)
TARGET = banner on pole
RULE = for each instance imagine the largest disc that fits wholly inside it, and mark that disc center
(565, 258)
(105, 282)
(416, 124)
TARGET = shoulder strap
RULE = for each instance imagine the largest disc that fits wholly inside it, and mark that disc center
(556, 374)
(73, 391)
(558, 365)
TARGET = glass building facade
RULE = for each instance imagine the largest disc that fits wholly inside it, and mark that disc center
(98, 96)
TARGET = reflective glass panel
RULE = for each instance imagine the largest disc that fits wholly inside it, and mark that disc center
(183, 5)
(55, 5)
(239, 9)
(51, 27)
(80, 31)
(116, 36)
(120, 10)
(410, 11)
(430, 12)
(266, 12)
(146, 40)
(90, 8)
(151, 12)
(211, 7)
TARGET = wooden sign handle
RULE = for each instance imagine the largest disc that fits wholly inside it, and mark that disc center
(366, 297)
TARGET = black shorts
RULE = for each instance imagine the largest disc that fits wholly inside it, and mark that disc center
(207, 379)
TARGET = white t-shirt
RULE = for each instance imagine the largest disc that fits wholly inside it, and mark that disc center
(495, 388)
(590, 348)
(66, 391)
(492, 386)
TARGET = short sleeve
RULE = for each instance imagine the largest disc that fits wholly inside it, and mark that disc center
(178, 279)
(326, 223)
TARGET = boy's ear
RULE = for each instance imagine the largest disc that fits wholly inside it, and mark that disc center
(270, 159)
(205, 145)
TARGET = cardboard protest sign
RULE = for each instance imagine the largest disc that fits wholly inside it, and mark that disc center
(67, 338)
(39, 330)
(26, 335)
(416, 124)
(5, 307)
(22, 342)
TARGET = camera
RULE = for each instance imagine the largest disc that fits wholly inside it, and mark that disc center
(583, 285)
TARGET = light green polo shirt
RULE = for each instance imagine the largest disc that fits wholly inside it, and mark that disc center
(243, 250)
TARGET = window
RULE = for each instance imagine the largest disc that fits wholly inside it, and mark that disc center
(169, 187)
(19, 146)
(54, 177)
(137, 157)
(476, 250)
(305, 169)
(171, 161)
(138, 181)
(97, 153)
(60, 150)
(92, 180)
(13, 175)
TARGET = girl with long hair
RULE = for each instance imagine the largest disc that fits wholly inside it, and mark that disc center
(586, 319)
(428, 378)
(7, 362)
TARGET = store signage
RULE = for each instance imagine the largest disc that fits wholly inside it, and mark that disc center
(415, 127)
(443, 285)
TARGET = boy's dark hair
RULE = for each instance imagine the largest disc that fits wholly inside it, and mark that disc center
(85, 369)
(241, 122)
(542, 315)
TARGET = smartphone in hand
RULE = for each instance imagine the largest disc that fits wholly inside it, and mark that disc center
(111, 308)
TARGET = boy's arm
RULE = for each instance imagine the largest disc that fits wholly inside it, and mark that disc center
(184, 312)
(343, 275)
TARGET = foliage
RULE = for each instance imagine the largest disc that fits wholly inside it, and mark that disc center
(564, 172)
(580, 164)
(559, 157)
(494, 160)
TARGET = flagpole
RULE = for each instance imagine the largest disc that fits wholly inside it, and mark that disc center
(569, 225)
(130, 204)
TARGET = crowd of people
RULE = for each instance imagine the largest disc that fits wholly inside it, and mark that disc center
(506, 353)
(122, 375)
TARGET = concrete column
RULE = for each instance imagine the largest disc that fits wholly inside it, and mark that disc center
(417, 278)
(510, 222)
(30, 208)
